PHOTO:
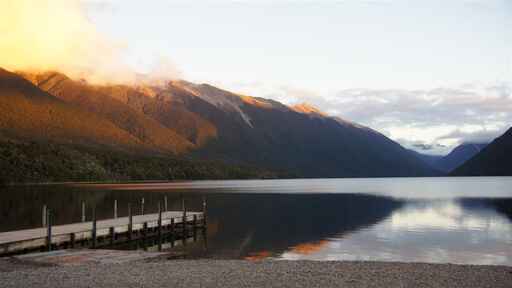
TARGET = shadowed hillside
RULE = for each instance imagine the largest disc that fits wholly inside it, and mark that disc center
(458, 156)
(493, 160)
(268, 133)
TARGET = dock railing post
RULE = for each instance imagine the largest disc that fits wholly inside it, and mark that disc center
(130, 221)
(159, 226)
(184, 209)
(43, 219)
(184, 221)
(194, 225)
(115, 209)
(204, 211)
(112, 233)
(94, 226)
(49, 229)
(165, 204)
(142, 206)
(83, 211)
(172, 232)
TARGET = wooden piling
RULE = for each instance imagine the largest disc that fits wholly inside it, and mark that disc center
(194, 225)
(204, 211)
(130, 221)
(72, 240)
(94, 230)
(112, 233)
(159, 222)
(165, 203)
(142, 206)
(145, 230)
(43, 221)
(184, 229)
(49, 229)
(172, 232)
(83, 211)
(159, 227)
(115, 209)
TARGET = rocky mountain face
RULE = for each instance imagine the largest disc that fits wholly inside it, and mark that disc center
(202, 122)
(494, 160)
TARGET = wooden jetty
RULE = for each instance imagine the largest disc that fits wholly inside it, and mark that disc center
(93, 234)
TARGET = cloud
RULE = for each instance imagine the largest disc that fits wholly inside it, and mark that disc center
(57, 35)
(429, 119)
(427, 147)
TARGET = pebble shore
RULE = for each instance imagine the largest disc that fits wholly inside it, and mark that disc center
(239, 273)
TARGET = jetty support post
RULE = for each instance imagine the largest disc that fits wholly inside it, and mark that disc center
(145, 230)
(72, 239)
(49, 229)
(194, 225)
(184, 221)
(142, 206)
(184, 209)
(204, 211)
(83, 211)
(172, 232)
(130, 221)
(159, 226)
(43, 218)
(94, 227)
(112, 235)
(115, 209)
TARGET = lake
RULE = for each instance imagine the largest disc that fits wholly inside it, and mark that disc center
(438, 220)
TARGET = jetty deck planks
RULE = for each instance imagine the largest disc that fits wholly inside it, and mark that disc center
(13, 241)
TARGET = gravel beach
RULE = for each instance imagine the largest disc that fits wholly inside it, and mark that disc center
(239, 273)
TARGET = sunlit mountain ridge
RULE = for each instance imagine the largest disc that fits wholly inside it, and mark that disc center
(203, 122)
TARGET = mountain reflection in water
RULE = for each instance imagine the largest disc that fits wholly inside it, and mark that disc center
(447, 231)
(441, 220)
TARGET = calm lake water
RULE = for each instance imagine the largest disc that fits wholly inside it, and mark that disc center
(440, 220)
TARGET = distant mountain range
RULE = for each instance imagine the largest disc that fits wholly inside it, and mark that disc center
(458, 156)
(197, 122)
(493, 160)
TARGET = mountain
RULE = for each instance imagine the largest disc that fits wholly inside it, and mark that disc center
(458, 156)
(203, 122)
(44, 138)
(266, 133)
(452, 160)
(26, 112)
(146, 130)
(427, 158)
(493, 160)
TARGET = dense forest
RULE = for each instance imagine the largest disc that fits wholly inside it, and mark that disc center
(51, 162)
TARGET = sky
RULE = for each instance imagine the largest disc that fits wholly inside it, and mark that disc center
(429, 74)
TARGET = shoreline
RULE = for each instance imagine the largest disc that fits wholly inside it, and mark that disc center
(161, 272)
